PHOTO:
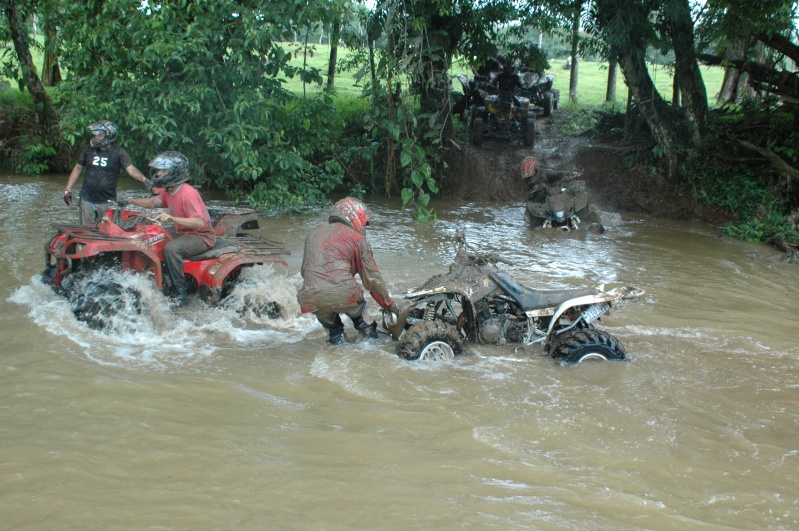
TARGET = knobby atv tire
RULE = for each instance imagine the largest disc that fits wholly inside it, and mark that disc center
(99, 304)
(589, 344)
(430, 340)
(549, 103)
(529, 131)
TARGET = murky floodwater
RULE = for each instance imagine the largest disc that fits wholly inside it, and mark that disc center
(208, 419)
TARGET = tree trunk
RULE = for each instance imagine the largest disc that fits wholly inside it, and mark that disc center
(44, 109)
(331, 63)
(688, 78)
(664, 127)
(575, 38)
(613, 69)
(733, 86)
(51, 72)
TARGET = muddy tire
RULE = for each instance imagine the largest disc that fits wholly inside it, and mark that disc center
(549, 103)
(589, 345)
(99, 303)
(430, 340)
(478, 127)
(529, 131)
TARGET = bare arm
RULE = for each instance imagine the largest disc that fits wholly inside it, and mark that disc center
(192, 223)
(149, 202)
(73, 176)
(135, 173)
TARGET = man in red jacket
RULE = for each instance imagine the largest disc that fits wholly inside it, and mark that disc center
(333, 254)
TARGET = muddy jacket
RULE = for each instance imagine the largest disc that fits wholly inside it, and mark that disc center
(334, 253)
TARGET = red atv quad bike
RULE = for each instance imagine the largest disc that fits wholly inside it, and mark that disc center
(128, 239)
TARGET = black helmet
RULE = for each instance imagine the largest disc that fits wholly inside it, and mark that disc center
(105, 128)
(177, 167)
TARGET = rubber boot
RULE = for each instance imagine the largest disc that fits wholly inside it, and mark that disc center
(368, 330)
(336, 335)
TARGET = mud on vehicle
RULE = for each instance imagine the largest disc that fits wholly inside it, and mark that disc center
(475, 301)
(496, 114)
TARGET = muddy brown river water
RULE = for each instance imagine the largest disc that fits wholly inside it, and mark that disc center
(209, 420)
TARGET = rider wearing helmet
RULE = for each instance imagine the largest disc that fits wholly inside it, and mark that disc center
(102, 160)
(192, 223)
(333, 254)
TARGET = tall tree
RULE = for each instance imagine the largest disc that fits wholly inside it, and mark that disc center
(45, 114)
(627, 29)
(335, 36)
(576, 12)
(675, 17)
(51, 70)
(613, 70)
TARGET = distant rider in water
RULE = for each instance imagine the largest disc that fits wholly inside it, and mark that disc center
(333, 254)
(102, 160)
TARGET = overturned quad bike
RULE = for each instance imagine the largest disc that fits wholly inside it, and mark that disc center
(475, 301)
(131, 240)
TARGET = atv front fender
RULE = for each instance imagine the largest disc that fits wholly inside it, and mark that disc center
(213, 272)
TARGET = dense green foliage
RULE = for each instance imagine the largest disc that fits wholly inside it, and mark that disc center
(205, 79)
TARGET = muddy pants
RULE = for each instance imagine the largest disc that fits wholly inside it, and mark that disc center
(92, 213)
(184, 246)
(361, 318)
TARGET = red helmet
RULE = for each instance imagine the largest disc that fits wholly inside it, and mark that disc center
(352, 212)
(528, 167)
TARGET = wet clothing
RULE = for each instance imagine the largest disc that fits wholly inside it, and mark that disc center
(91, 213)
(175, 252)
(102, 173)
(185, 203)
(333, 254)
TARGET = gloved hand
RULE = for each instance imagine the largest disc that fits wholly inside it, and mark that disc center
(394, 309)
(67, 197)
(122, 203)
(148, 185)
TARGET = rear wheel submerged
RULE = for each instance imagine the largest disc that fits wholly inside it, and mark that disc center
(247, 303)
(430, 340)
(589, 345)
(106, 305)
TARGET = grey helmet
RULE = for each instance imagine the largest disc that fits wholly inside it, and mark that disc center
(105, 128)
(177, 166)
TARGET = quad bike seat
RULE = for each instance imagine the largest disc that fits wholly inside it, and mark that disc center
(536, 299)
(221, 247)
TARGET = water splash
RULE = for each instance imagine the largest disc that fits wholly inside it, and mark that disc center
(133, 324)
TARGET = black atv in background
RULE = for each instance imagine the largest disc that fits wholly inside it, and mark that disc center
(503, 100)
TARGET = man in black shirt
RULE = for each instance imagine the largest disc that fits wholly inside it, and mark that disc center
(102, 161)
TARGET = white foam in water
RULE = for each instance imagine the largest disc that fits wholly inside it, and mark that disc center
(142, 329)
